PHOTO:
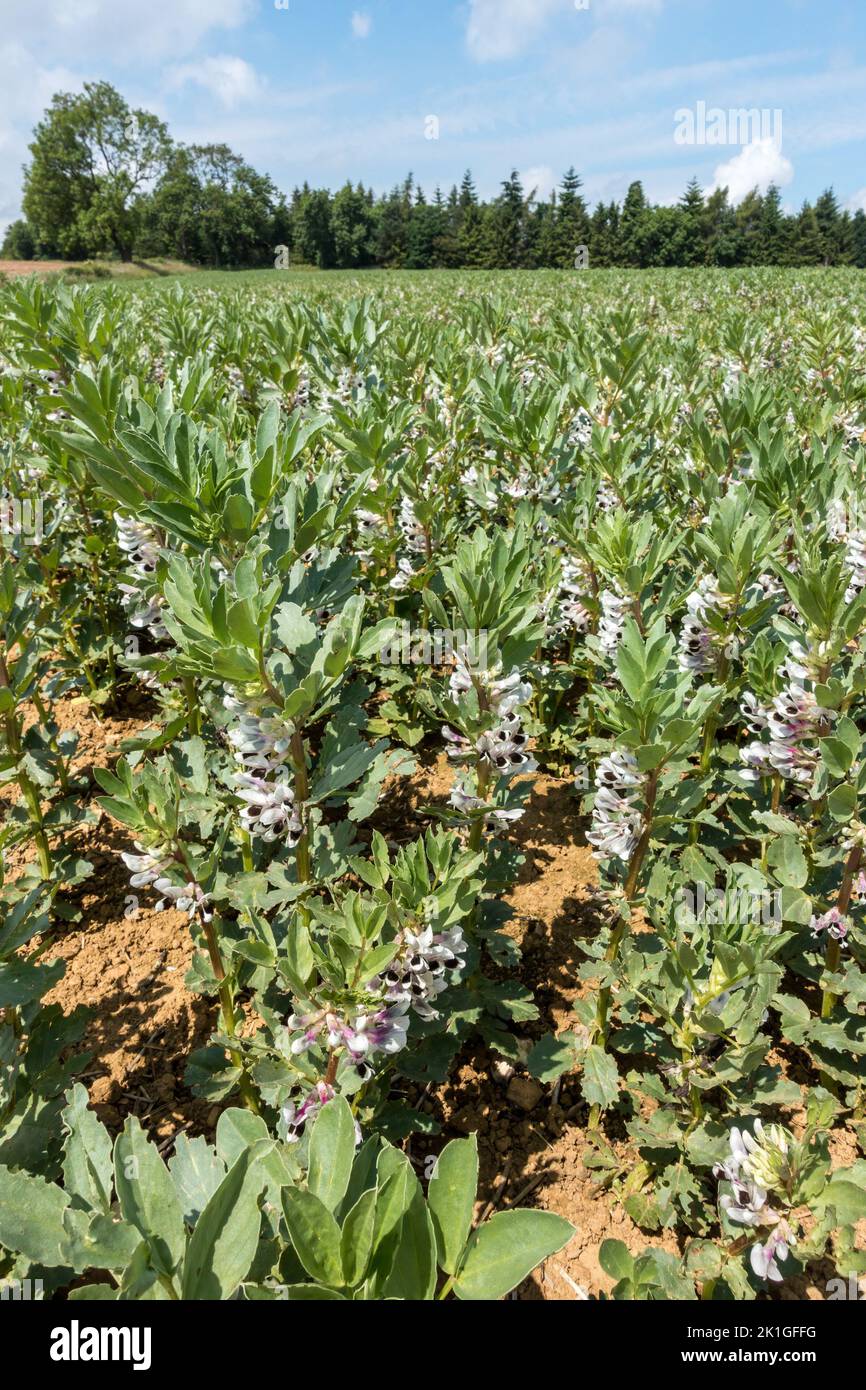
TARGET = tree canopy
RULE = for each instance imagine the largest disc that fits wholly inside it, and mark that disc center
(107, 180)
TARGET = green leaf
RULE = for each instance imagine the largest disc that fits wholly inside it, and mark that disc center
(147, 1197)
(842, 802)
(615, 1259)
(87, 1166)
(412, 1275)
(836, 756)
(196, 1172)
(356, 1239)
(332, 1152)
(226, 1236)
(600, 1083)
(294, 628)
(451, 1197)
(315, 1236)
(21, 982)
(311, 1293)
(506, 1249)
(552, 1056)
(788, 861)
(846, 1197)
(31, 1217)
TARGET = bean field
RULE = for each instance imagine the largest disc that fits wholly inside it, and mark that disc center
(432, 715)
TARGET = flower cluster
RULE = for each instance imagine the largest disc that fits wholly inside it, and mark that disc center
(616, 821)
(295, 1117)
(371, 527)
(417, 974)
(363, 1031)
(465, 802)
(261, 742)
(571, 613)
(854, 539)
(140, 545)
(833, 923)
(756, 1165)
(415, 541)
(793, 719)
(699, 645)
(149, 869)
(615, 609)
(499, 752)
(378, 1023)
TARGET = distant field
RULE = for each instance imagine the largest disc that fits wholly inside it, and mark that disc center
(141, 270)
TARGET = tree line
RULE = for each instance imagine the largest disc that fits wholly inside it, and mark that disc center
(107, 180)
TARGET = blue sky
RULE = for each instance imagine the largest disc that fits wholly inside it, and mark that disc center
(324, 90)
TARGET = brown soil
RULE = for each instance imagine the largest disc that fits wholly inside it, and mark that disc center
(32, 267)
(129, 969)
(133, 269)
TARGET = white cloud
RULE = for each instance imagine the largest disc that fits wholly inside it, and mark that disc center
(233, 81)
(756, 166)
(27, 89)
(857, 201)
(127, 33)
(499, 29)
(642, 6)
(541, 178)
(361, 24)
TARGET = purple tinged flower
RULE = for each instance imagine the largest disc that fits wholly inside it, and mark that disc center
(833, 923)
(295, 1117)
(763, 1257)
(270, 810)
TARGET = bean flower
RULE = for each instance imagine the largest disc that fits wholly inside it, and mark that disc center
(616, 821)
(418, 973)
(150, 868)
(757, 1164)
(699, 644)
(260, 742)
(571, 614)
(362, 1031)
(141, 545)
(793, 720)
(295, 1117)
(615, 609)
(833, 923)
(497, 753)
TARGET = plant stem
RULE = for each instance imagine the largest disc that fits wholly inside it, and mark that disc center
(482, 787)
(600, 1031)
(193, 717)
(302, 791)
(247, 851)
(834, 947)
(227, 1009)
